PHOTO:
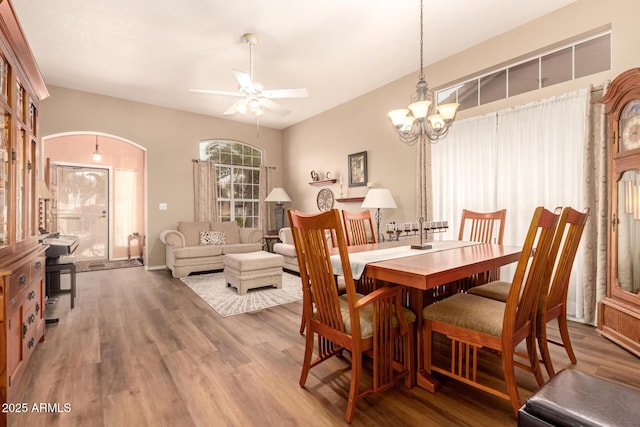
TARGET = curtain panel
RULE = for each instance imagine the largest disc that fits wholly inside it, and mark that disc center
(263, 192)
(205, 185)
(517, 159)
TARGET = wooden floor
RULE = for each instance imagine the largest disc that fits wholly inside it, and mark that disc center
(141, 349)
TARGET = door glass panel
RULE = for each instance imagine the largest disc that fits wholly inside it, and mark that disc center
(83, 209)
(629, 231)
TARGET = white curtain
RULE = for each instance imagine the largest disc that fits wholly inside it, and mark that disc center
(126, 212)
(522, 157)
(464, 171)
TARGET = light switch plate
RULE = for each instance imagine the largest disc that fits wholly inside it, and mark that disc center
(162, 206)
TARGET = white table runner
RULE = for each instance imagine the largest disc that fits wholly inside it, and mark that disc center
(359, 260)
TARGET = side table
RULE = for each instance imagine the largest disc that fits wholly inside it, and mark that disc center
(140, 239)
(269, 241)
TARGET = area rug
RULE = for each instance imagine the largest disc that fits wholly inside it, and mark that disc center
(225, 300)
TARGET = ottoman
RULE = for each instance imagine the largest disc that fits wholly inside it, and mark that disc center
(573, 398)
(253, 270)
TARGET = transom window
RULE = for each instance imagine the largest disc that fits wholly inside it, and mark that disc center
(238, 175)
(581, 58)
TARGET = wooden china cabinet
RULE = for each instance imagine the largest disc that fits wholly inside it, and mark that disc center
(22, 258)
(619, 312)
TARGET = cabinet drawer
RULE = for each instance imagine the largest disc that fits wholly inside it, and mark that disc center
(37, 266)
(19, 280)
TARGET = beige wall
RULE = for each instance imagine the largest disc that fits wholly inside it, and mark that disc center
(171, 139)
(324, 141)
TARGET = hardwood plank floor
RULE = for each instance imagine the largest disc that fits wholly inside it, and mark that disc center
(141, 349)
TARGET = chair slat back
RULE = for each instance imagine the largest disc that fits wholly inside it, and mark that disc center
(563, 251)
(320, 291)
(522, 301)
(482, 226)
(358, 227)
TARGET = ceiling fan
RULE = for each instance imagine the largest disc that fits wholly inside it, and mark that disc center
(254, 97)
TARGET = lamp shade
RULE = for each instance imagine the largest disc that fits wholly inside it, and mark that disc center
(278, 195)
(378, 198)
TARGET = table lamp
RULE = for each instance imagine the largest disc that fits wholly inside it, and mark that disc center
(379, 198)
(279, 196)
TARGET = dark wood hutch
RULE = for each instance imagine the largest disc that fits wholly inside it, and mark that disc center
(22, 257)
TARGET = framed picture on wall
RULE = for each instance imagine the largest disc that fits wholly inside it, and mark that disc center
(358, 169)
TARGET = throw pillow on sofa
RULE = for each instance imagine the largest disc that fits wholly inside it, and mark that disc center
(212, 237)
(191, 231)
(230, 229)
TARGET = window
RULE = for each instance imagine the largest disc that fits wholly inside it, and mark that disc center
(238, 175)
(586, 56)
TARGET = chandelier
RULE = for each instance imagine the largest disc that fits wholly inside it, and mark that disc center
(415, 123)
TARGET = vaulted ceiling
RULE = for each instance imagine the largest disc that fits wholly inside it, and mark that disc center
(153, 51)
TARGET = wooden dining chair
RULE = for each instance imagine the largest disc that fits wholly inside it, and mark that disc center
(487, 227)
(555, 284)
(376, 325)
(358, 227)
(484, 227)
(473, 322)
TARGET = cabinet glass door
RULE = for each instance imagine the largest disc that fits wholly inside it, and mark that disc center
(5, 124)
(20, 190)
(628, 231)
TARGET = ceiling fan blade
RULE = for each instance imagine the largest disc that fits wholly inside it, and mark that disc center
(286, 93)
(274, 107)
(216, 92)
(234, 108)
(244, 80)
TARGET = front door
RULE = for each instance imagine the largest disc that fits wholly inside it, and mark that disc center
(82, 198)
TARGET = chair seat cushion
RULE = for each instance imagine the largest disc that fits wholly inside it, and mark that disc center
(466, 311)
(366, 316)
(497, 290)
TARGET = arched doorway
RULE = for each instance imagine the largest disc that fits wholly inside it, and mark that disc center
(100, 200)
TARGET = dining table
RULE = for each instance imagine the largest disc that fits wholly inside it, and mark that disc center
(420, 270)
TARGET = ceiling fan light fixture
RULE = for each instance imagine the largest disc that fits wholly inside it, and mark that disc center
(254, 105)
(242, 107)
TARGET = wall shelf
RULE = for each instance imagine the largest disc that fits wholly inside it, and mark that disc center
(323, 182)
(350, 199)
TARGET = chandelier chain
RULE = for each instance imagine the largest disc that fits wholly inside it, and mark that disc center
(421, 76)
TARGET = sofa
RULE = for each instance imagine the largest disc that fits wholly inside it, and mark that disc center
(286, 248)
(201, 246)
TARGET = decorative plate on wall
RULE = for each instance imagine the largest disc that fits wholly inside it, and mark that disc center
(325, 199)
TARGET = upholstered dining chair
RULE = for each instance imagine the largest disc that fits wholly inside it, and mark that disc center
(473, 322)
(376, 325)
(358, 227)
(555, 284)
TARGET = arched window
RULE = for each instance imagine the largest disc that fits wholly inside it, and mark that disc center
(238, 171)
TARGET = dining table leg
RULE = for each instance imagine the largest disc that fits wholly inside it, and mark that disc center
(422, 378)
